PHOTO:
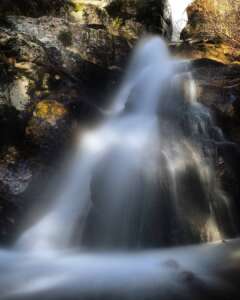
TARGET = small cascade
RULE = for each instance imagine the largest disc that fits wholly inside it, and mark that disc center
(145, 177)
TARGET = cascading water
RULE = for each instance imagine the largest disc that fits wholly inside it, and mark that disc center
(144, 178)
(179, 16)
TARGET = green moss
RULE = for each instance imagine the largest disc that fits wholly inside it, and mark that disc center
(65, 37)
(78, 6)
(117, 23)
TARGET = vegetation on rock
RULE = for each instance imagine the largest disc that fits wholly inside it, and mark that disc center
(212, 31)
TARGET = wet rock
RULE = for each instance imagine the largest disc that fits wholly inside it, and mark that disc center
(211, 40)
(218, 87)
(15, 173)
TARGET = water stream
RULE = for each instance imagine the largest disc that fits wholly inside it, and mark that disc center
(143, 179)
(179, 16)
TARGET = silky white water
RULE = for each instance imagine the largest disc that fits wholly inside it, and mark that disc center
(179, 16)
(142, 179)
(145, 167)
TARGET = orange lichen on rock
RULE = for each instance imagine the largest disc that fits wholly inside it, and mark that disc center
(48, 121)
(50, 111)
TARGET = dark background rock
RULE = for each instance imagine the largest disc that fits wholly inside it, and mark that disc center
(33, 8)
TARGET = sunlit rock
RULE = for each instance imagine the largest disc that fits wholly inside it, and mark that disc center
(18, 94)
(212, 31)
(89, 13)
(218, 88)
(128, 19)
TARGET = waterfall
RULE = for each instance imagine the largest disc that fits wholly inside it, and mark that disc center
(144, 178)
(179, 16)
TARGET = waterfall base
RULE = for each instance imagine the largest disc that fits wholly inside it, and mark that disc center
(205, 272)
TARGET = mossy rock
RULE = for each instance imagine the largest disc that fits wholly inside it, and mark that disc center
(48, 128)
(89, 14)
(78, 6)
(50, 111)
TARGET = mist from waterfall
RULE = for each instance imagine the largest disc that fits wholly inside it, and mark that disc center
(144, 178)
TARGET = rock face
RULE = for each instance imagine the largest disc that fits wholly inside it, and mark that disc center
(58, 62)
(212, 31)
(212, 37)
(128, 18)
(211, 40)
(218, 88)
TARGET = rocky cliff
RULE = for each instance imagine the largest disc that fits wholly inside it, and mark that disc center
(213, 30)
